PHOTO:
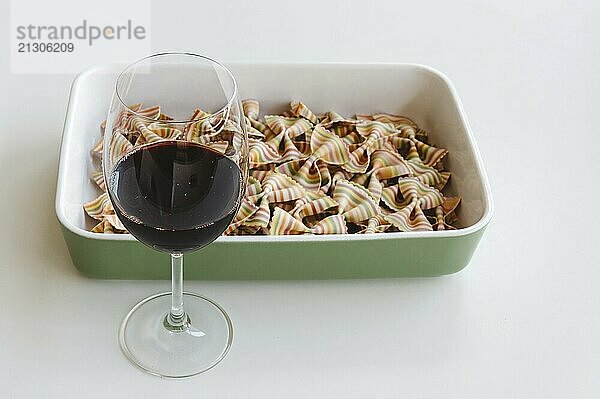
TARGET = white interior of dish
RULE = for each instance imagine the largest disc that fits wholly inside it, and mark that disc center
(415, 91)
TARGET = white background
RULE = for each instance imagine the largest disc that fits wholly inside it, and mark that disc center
(523, 320)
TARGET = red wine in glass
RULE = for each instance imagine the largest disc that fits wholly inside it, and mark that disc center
(176, 196)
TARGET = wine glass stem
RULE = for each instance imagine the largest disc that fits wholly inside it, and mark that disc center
(177, 317)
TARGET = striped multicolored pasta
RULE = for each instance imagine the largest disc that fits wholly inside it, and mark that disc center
(310, 173)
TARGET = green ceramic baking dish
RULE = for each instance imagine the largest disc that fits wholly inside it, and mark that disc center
(417, 91)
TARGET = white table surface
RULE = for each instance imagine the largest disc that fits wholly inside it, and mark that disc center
(522, 320)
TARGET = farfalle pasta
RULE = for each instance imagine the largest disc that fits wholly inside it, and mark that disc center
(310, 173)
(325, 148)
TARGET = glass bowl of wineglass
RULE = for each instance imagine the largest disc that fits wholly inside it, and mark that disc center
(175, 174)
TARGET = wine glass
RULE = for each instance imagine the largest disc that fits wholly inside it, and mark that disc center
(175, 161)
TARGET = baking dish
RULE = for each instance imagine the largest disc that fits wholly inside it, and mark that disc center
(417, 91)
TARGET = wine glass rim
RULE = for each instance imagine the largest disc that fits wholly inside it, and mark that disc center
(167, 53)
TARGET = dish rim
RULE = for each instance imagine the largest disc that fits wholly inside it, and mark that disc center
(480, 224)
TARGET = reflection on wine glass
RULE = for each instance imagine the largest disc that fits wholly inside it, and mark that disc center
(175, 176)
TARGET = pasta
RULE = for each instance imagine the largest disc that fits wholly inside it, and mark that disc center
(309, 173)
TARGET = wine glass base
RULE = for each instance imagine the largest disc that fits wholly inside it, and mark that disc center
(149, 345)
